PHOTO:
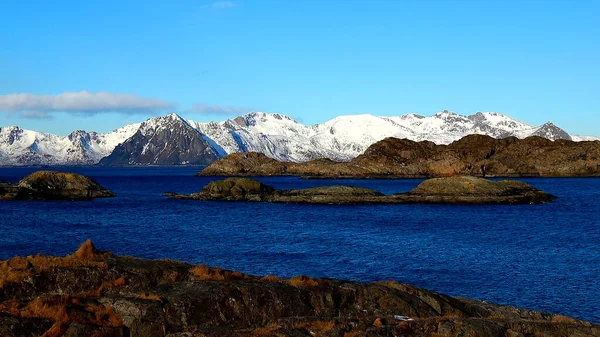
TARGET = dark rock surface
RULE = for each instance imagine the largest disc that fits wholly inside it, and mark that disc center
(449, 190)
(168, 140)
(93, 293)
(6, 190)
(475, 155)
(52, 185)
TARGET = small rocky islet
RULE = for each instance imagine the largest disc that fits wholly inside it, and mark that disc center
(449, 190)
(96, 293)
(53, 185)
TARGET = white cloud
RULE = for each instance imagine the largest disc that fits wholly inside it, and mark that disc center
(223, 5)
(221, 110)
(83, 102)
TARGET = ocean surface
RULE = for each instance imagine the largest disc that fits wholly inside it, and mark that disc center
(543, 257)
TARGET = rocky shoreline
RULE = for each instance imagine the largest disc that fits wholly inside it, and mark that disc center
(451, 190)
(95, 293)
(474, 155)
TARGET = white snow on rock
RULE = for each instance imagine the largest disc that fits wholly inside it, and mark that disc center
(278, 136)
(26, 147)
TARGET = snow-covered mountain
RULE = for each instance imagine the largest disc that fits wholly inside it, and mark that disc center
(26, 147)
(174, 140)
(168, 140)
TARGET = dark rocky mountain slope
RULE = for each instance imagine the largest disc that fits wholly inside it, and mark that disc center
(168, 140)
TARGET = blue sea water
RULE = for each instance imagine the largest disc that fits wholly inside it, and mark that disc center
(544, 257)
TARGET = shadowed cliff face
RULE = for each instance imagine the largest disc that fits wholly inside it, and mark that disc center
(169, 142)
(94, 293)
(51, 185)
(476, 155)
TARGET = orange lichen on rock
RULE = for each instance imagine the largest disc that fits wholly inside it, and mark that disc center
(203, 272)
(150, 297)
(106, 284)
(378, 323)
(306, 281)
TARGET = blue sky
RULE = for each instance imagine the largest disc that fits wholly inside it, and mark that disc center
(97, 65)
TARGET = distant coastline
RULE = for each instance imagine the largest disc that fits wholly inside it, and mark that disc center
(474, 155)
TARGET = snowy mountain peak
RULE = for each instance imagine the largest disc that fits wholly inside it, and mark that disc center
(502, 122)
(449, 117)
(552, 132)
(166, 140)
(173, 140)
(412, 116)
(174, 116)
(478, 117)
(255, 118)
(352, 119)
(162, 122)
(78, 135)
(445, 113)
(10, 128)
(170, 117)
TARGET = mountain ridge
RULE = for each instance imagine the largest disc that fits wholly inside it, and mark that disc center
(277, 136)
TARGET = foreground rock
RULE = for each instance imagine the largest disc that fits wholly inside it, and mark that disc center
(474, 155)
(94, 293)
(451, 190)
(51, 185)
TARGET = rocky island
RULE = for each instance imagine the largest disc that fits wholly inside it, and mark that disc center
(95, 293)
(451, 190)
(475, 155)
(52, 185)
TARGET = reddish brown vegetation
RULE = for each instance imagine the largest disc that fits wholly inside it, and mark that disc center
(306, 281)
(88, 251)
(18, 268)
(316, 326)
(150, 297)
(265, 331)
(62, 310)
(271, 278)
(202, 272)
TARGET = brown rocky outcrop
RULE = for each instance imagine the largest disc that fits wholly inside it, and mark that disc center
(475, 155)
(52, 185)
(236, 189)
(448, 190)
(474, 190)
(98, 294)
